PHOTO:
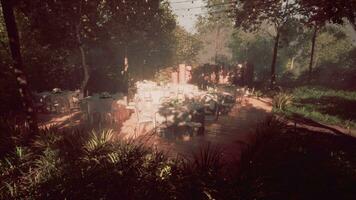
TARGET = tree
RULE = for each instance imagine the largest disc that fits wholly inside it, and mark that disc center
(100, 34)
(253, 48)
(312, 53)
(187, 46)
(18, 67)
(316, 13)
(131, 20)
(251, 15)
(62, 22)
(329, 11)
(213, 30)
(68, 24)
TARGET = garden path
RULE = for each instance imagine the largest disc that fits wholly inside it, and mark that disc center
(230, 133)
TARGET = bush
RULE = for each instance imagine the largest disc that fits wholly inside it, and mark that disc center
(279, 163)
(164, 75)
(324, 105)
(282, 100)
(85, 164)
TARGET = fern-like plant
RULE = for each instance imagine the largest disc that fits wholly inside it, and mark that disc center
(282, 100)
(99, 139)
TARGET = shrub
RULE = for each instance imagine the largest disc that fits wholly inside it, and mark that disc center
(258, 94)
(282, 100)
(84, 164)
(279, 163)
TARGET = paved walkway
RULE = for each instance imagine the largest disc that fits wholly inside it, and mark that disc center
(229, 133)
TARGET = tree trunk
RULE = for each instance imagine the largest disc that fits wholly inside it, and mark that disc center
(354, 25)
(84, 85)
(25, 92)
(126, 63)
(125, 72)
(292, 63)
(273, 65)
(312, 54)
(217, 44)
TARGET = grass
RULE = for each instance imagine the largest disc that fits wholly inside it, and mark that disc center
(280, 163)
(334, 107)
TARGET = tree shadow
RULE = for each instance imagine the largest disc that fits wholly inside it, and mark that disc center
(332, 105)
(299, 164)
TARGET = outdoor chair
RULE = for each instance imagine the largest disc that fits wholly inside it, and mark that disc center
(227, 102)
(183, 129)
(61, 101)
(145, 113)
(99, 109)
(240, 94)
(57, 103)
(74, 103)
(73, 99)
(211, 105)
(41, 102)
(83, 107)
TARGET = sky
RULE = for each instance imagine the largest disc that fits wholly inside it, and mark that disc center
(187, 18)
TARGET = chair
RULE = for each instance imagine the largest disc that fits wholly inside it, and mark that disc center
(211, 104)
(240, 94)
(99, 109)
(73, 99)
(83, 108)
(74, 103)
(145, 113)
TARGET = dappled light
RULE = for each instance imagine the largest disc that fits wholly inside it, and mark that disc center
(177, 99)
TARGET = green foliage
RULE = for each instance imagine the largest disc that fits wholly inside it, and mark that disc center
(324, 105)
(214, 29)
(323, 11)
(217, 15)
(164, 75)
(294, 21)
(142, 30)
(282, 100)
(258, 94)
(98, 141)
(93, 165)
(254, 48)
(187, 47)
(318, 92)
(208, 160)
(251, 15)
(332, 46)
(334, 55)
